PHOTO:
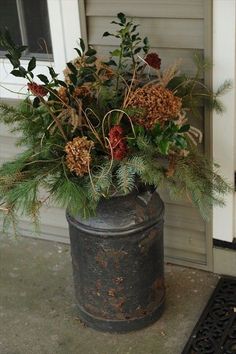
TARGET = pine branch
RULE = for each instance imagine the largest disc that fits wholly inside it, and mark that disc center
(125, 178)
(69, 195)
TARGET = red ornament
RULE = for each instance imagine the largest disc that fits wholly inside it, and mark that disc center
(119, 146)
(153, 60)
(37, 90)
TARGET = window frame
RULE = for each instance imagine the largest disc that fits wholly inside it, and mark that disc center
(65, 27)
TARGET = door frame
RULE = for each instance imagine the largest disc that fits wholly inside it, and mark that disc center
(223, 127)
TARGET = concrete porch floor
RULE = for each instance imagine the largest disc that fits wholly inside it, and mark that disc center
(38, 314)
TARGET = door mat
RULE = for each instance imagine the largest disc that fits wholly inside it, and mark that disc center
(215, 332)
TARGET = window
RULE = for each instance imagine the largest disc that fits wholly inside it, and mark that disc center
(28, 22)
(34, 23)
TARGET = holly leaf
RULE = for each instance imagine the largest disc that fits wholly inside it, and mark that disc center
(62, 83)
(82, 44)
(185, 128)
(90, 52)
(121, 17)
(91, 59)
(52, 72)
(73, 79)
(72, 68)
(78, 52)
(106, 34)
(164, 146)
(181, 142)
(36, 102)
(14, 61)
(115, 53)
(32, 64)
(43, 78)
(17, 73)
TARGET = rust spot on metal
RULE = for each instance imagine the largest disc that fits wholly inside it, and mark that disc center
(158, 284)
(118, 280)
(98, 287)
(100, 258)
(120, 303)
(111, 292)
(157, 291)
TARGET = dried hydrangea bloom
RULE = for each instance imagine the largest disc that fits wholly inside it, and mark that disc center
(79, 92)
(157, 103)
(78, 157)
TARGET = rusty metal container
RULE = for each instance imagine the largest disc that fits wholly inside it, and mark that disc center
(118, 263)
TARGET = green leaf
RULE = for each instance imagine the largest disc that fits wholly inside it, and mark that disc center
(110, 62)
(164, 146)
(22, 70)
(82, 45)
(185, 128)
(17, 73)
(115, 53)
(145, 41)
(43, 78)
(72, 68)
(157, 130)
(78, 51)
(106, 34)
(116, 23)
(32, 64)
(137, 50)
(22, 48)
(73, 79)
(91, 59)
(181, 142)
(62, 83)
(121, 17)
(14, 61)
(134, 28)
(36, 102)
(90, 52)
(52, 72)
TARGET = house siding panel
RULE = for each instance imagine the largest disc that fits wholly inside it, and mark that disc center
(176, 29)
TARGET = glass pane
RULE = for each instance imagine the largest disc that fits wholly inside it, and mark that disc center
(37, 26)
(9, 19)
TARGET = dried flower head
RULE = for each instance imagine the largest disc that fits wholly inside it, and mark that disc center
(158, 104)
(37, 90)
(153, 60)
(104, 71)
(79, 92)
(78, 155)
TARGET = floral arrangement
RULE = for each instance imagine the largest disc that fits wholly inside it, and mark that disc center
(108, 126)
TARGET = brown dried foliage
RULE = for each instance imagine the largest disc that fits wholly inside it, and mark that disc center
(78, 156)
(158, 104)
